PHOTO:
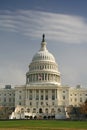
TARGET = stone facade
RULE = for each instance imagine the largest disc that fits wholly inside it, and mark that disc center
(7, 96)
(43, 96)
(7, 101)
(77, 96)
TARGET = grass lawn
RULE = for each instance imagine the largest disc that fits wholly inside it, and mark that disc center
(42, 125)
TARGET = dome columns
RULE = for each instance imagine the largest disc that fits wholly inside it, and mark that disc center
(43, 44)
(42, 77)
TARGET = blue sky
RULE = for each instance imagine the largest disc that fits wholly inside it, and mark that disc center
(22, 23)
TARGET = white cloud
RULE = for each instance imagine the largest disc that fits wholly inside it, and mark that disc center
(59, 27)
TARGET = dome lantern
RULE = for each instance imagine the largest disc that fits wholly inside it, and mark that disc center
(43, 38)
(43, 43)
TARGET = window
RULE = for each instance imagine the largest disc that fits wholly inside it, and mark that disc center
(41, 103)
(30, 103)
(80, 99)
(75, 99)
(28, 110)
(52, 110)
(63, 97)
(59, 110)
(37, 97)
(22, 109)
(30, 97)
(30, 91)
(46, 103)
(46, 98)
(40, 110)
(37, 91)
(9, 99)
(53, 97)
(41, 91)
(19, 96)
(53, 103)
(53, 91)
(19, 103)
(34, 110)
(46, 110)
(46, 91)
(41, 97)
(4, 99)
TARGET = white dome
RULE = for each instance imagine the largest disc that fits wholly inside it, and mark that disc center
(43, 55)
(43, 68)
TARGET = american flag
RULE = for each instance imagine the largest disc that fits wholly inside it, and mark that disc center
(39, 77)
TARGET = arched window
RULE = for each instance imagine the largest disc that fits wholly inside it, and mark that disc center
(28, 110)
(46, 110)
(52, 110)
(22, 109)
(59, 110)
(34, 110)
(40, 110)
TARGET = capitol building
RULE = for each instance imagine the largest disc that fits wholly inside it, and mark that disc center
(43, 95)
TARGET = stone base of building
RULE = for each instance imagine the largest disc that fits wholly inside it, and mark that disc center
(21, 113)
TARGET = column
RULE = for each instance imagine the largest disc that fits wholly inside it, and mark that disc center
(56, 93)
(50, 77)
(35, 94)
(39, 97)
(33, 97)
(36, 78)
(44, 77)
(47, 78)
(27, 94)
(44, 96)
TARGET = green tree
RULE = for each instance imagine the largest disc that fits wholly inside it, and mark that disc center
(83, 108)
